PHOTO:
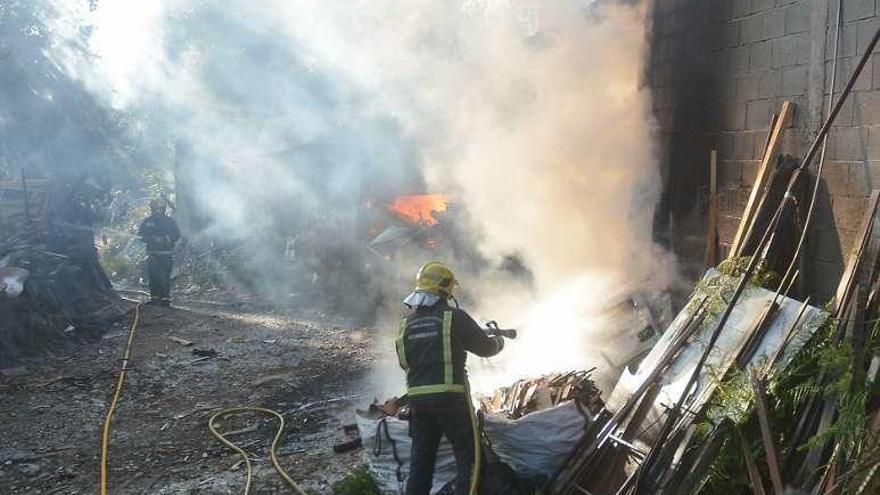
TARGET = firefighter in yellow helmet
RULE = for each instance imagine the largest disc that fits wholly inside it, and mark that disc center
(432, 348)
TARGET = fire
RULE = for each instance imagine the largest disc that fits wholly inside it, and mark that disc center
(419, 208)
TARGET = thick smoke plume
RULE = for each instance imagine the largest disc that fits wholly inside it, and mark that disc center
(529, 114)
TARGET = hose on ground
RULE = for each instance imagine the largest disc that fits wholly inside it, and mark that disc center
(272, 449)
(120, 381)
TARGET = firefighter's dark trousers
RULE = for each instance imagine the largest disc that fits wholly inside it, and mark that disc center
(159, 273)
(426, 427)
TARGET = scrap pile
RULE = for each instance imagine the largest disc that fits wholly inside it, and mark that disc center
(750, 390)
(530, 395)
(50, 281)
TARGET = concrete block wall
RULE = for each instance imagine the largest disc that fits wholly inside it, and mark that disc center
(719, 70)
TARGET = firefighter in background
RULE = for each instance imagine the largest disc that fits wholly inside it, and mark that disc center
(160, 233)
(432, 348)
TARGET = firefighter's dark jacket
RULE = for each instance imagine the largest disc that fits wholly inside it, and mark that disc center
(432, 346)
(160, 233)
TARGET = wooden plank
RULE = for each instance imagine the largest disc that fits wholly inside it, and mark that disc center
(751, 466)
(579, 463)
(711, 258)
(772, 456)
(764, 173)
(31, 183)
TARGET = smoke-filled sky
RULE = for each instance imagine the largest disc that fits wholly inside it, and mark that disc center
(530, 114)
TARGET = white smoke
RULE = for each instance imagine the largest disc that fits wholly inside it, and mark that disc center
(531, 114)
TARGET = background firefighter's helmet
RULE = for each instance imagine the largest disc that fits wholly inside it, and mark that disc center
(436, 278)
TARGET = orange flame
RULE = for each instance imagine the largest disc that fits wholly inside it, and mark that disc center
(419, 208)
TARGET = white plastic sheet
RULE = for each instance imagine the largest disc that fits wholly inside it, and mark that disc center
(731, 340)
(388, 436)
(537, 444)
(14, 279)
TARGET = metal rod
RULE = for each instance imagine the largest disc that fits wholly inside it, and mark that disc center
(821, 166)
(27, 206)
(823, 131)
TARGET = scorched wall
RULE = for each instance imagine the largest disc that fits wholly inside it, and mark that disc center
(719, 70)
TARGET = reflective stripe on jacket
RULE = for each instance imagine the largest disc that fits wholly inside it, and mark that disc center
(432, 345)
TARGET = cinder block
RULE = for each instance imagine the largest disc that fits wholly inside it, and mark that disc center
(769, 83)
(732, 116)
(753, 29)
(716, 42)
(725, 145)
(797, 17)
(847, 212)
(729, 172)
(791, 143)
(730, 34)
(739, 8)
(750, 172)
(743, 146)
(835, 177)
(746, 87)
(826, 265)
(727, 90)
(822, 284)
(867, 108)
(875, 62)
(760, 56)
(854, 10)
(758, 113)
(700, 11)
(865, 30)
(792, 49)
(728, 225)
(874, 149)
(864, 177)
(774, 23)
(845, 116)
(848, 40)
(761, 143)
(794, 80)
(720, 10)
(845, 69)
(738, 59)
(761, 5)
(848, 143)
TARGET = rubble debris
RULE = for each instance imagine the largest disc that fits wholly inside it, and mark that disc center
(531, 426)
(530, 395)
(348, 446)
(50, 278)
(183, 342)
(269, 379)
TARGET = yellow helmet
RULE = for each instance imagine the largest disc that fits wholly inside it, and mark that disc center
(436, 278)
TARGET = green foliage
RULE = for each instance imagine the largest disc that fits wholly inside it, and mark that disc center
(789, 390)
(733, 399)
(763, 276)
(358, 482)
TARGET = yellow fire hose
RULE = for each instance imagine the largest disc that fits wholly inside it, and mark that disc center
(475, 473)
(243, 454)
(105, 441)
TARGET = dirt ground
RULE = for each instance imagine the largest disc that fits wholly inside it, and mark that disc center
(52, 409)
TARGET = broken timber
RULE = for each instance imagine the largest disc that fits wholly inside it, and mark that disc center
(765, 170)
